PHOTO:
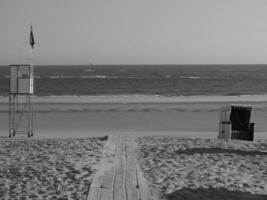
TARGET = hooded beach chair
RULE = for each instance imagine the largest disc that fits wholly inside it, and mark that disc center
(235, 123)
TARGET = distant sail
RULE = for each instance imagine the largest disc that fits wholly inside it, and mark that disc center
(32, 42)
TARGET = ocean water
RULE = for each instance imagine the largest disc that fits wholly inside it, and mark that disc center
(169, 80)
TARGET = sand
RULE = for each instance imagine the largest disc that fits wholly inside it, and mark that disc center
(171, 165)
(195, 168)
(142, 115)
(48, 168)
(143, 99)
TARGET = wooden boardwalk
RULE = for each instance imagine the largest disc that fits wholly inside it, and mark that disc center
(119, 177)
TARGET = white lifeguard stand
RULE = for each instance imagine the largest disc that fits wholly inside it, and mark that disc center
(20, 103)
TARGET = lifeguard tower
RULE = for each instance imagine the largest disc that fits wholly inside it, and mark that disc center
(20, 96)
(20, 103)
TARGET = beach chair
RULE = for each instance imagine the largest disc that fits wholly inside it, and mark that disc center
(235, 123)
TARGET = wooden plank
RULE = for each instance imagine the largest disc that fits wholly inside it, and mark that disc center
(131, 164)
(94, 193)
(131, 178)
(120, 147)
(142, 186)
(131, 185)
(115, 142)
(106, 194)
(132, 193)
(108, 179)
(113, 138)
(112, 144)
(119, 177)
(130, 146)
(131, 181)
(97, 181)
(119, 192)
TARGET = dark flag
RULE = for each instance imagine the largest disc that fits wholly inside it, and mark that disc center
(31, 39)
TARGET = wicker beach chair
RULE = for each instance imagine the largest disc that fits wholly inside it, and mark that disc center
(235, 123)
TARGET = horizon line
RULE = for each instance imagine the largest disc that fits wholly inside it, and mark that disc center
(133, 64)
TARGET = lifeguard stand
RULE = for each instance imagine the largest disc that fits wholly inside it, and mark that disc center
(20, 103)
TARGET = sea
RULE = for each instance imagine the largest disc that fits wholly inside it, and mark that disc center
(165, 80)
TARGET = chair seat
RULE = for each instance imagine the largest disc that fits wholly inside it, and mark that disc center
(239, 132)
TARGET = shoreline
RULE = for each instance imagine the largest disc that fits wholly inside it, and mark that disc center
(88, 116)
(143, 99)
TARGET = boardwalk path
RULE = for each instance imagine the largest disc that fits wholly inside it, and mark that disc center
(119, 176)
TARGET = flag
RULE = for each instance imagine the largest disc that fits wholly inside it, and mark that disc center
(31, 39)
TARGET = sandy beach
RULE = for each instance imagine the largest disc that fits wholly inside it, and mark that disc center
(48, 168)
(55, 164)
(197, 168)
(175, 168)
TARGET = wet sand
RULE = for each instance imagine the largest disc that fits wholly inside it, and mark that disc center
(99, 116)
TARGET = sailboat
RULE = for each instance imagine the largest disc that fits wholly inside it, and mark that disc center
(89, 68)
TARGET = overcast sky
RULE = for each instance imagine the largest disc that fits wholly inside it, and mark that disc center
(135, 31)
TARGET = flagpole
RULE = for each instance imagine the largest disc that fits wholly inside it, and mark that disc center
(32, 43)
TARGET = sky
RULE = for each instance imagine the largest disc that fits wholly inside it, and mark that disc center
(134, 31)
